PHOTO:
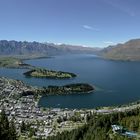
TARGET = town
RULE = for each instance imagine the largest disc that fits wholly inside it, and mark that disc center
(20, 103)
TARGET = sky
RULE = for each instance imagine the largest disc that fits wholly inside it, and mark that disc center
(94, 23)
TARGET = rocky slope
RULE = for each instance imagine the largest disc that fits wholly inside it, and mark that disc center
(127, 51)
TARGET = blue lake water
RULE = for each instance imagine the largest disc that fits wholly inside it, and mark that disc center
(116, 82)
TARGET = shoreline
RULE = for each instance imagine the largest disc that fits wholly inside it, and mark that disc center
(27, 109)
(122, 105)
(105, 109)
(38, 91)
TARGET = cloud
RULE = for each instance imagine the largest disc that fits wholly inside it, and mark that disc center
(108, 42)
(87, 27)
(118, 5)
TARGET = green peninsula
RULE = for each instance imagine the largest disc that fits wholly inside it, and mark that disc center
(11, 62)
(16, 88)
(69, 89)
(44, 73)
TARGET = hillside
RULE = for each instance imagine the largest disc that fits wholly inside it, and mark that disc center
(98, 127)
(36, 49)
(127, 51)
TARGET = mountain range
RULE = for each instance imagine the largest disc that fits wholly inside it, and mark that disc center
(24, 48)
(126, 51)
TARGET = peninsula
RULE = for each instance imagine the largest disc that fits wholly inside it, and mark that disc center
(18, 88)
(44, 73)
(69, 89)
(11, 62)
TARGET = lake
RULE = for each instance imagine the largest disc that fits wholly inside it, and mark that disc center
(116, 82)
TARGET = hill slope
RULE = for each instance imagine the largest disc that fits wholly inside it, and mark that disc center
(98, 127)
(127, 51)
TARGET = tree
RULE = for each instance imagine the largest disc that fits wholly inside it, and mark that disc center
(12, 131)
(23, 127)
(4, 125)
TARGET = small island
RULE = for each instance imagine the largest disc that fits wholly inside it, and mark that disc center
(44, 73)
(11, 62)
(69, 89)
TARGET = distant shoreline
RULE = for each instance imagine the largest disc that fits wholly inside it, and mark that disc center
(11, 62)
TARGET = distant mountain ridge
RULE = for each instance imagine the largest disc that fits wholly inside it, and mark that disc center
(40, 49)
(127, 51)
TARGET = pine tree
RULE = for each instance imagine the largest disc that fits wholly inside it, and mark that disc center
(12, 131)
(7, 130)
(23, 127)
(4, 125)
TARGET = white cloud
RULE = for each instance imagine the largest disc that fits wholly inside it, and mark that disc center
(87, 27)
(108, 42)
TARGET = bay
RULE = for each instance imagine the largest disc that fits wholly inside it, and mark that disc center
(116, 82)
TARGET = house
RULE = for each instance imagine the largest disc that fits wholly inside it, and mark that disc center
(117, 128)
(124, 132)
